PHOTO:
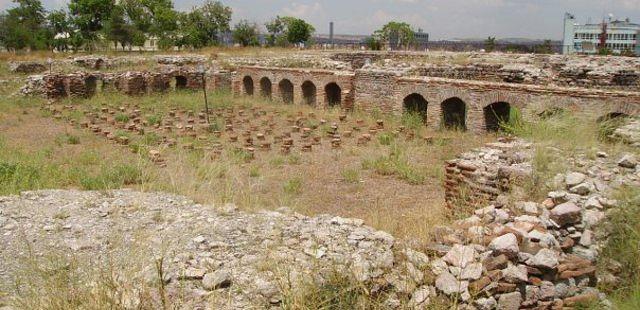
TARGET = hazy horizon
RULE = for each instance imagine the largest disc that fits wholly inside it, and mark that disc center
(442, 19)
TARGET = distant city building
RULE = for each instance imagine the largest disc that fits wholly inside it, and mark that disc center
(421, 41)
(618, 36)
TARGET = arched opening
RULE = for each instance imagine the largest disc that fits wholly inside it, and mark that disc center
(309, 93)
(265, 88)
(91, 85)
(247, 82)
(496, 114)
(285, 88)
(181, 82)
(454, 112)
(333, 94)
(416, 104)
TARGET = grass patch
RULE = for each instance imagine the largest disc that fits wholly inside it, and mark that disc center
(351, 176)
(623, 246)
(338, 291)
(113, 178)
(67, 139)
(293, 186)
(396, 163)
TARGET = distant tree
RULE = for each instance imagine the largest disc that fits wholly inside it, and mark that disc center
(152, 18)
(285, 30)
(204, 25)
(545, 48)
(25, 26)
(276, 29)
(217, 17)
(397, 34)
(117, 29)
(89, 16)
(373, 43)
(298, 30)
(60, 27)
(490, 44)
(246, 34)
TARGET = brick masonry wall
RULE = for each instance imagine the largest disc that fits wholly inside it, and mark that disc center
(319, 78)
(56, 86)
(481, 175)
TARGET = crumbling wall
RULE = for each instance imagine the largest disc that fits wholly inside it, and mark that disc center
(481, 175)
(27, 67)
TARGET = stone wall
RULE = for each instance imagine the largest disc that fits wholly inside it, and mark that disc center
(83, 84)
(387, 91)
(306, 86)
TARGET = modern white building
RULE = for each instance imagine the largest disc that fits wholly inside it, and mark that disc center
(621, 36)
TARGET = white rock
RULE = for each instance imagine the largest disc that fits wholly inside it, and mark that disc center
(545, 258)
(460, 255)
(574, 178)
(449, 285)
(506, 244)
(471, 272)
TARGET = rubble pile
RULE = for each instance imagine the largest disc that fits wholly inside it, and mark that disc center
(534, 254)
(27, 67)
(483, 174)
(629, 132)
(180, 60)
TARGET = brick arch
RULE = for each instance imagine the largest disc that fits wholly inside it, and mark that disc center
(248, 85)
(266, 87)
(332, 94)
(309, 92)
(453, 113)
(286, 90)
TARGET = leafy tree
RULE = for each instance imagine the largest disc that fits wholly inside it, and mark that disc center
(246, 34)
(89, 17)
(204, 25)
(24, 26)
(373, 43)
(118, 30)
(276, 29)
(155, 18)
(490, 44)
(288, 30)
(298, 31)
(216, 17)
(397, 34)
(60, 27)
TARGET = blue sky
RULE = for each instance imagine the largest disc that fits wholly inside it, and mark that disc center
(441, 18)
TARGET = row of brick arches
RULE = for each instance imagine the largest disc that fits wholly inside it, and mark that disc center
(454, 112)
(286, 90)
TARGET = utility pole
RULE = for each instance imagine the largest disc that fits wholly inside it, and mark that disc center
(202, 71)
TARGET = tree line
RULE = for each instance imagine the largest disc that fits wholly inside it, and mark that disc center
(125, 24)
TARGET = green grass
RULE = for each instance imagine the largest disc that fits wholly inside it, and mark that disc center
(396, 163)
(623, 246)
(113, 178)
(338, 291)
(293, 186)
(351, 176)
